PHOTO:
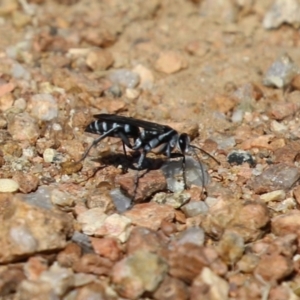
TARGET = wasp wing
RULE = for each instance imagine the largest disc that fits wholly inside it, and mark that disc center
(146, 125)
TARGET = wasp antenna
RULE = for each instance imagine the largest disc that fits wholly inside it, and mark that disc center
(202, 170)
(203, 151)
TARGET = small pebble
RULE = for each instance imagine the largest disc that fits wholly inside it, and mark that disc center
(49, 155)
(144, 239)
(122, 203)
(132, 93)
(3, 122)
(146, 77)
(224, 104)
(28, 8)
(8, 185)
(288, 223)
(6, 101)
(246, 94)
(29, 152)
(186, 261)
(195, 208)
(87, 291)
(138, 273)
(100, 198)
(34, 267)
(116, 226)
(93, 263)
(231, 247)
(91, 220)
(296, 82)
(296, 194)
(168, 228)
(82, 240)
(217, 287)
(173, 173)
(23, 237)
(150, 215)
(278, 127)
(125, 78)
(12, 148)
(196, 174)
(225, 12)
(194, 235)
(248, 262)
(99, 59)
(114, 91)
(70, 254)
(175, 200)
(20, 19)
(73, 81)
(32, 289)
(281, 72)
(239, 157)
(282, 11)
(285, 205)
(211, 201)
(19, 72)
(23, 127)
(27, 182)
(107, 247)
(60, 279)
(43, 106)
(62, 199)
(81, 279)
(29, 229)
(274, 267)
(248, 219)
(196, 47)
(281, 110)
(276, 177)
(273, 196)
(225, 142)
(148, 184)
(172, 288)
(41, 198)
(170, 62)
(70, 167)
(237, 116)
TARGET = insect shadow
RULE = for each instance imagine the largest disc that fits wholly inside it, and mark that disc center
(129, 161)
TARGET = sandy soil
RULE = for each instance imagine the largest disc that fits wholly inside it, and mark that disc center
(225, 72)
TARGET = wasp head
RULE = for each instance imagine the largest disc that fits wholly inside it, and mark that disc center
(183, 143)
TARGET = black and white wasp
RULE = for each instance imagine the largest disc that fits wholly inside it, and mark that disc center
(152, 136)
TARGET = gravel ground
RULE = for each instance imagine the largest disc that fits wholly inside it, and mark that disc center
(226, 73)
